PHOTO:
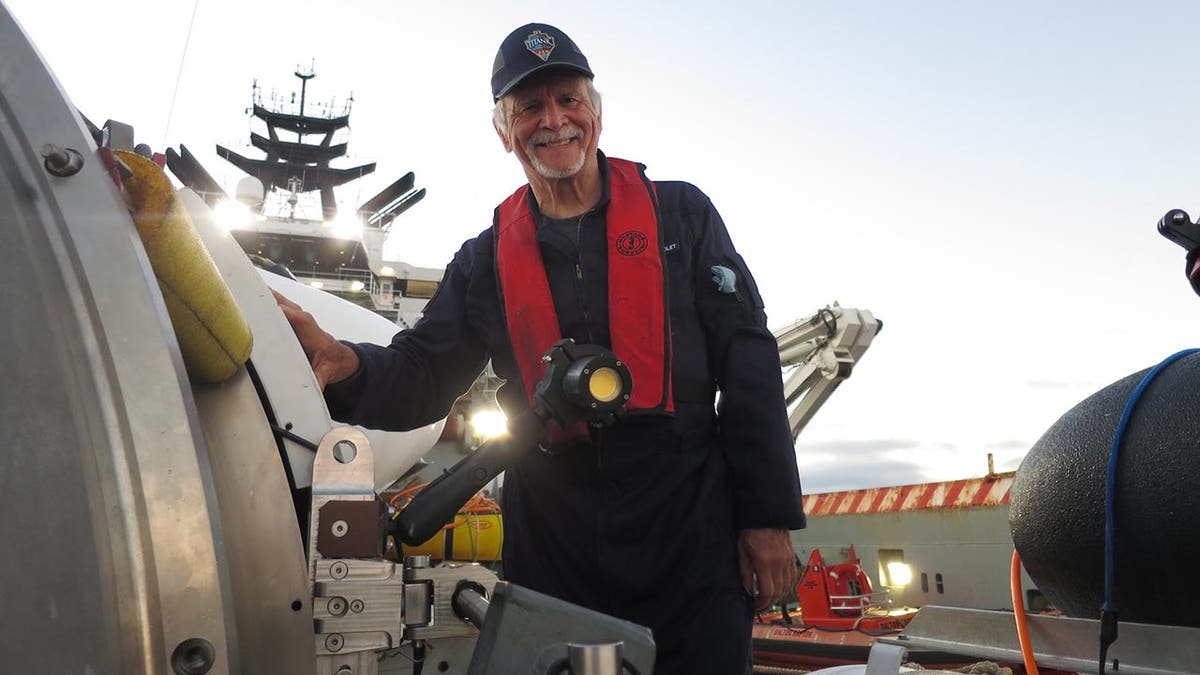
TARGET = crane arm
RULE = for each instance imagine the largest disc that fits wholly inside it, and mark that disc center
(817, 353)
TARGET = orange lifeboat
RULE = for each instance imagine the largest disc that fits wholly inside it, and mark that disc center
(840, 618)
(840, 596)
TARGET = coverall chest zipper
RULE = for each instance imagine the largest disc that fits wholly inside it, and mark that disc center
(580, 287)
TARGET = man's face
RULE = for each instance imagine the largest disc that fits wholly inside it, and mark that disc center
(553, 127)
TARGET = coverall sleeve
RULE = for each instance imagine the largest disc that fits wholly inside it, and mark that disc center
(753, 429)
(416, 379)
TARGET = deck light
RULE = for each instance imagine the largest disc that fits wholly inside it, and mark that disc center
(488, 424)
(231, 215)
(346, 225)
(899, 574)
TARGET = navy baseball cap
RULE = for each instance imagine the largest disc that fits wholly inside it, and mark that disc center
(532, 48)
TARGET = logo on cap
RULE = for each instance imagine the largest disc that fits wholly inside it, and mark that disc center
(540, 44)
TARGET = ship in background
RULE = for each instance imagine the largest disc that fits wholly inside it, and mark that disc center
(286, 216)
(942, 543)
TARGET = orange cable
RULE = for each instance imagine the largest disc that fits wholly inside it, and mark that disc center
(406, 492)
(476, 505)
(1014, 585)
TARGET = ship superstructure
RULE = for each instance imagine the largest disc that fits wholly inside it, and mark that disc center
(294, 220)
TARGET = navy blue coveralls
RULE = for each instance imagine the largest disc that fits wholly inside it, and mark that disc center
(640, 523)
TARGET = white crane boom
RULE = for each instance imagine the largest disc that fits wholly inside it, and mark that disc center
(821, 350)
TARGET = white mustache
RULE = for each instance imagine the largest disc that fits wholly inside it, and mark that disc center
(566, 133)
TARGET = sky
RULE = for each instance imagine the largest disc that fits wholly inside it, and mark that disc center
(985, 178)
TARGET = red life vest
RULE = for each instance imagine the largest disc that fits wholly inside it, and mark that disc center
(638, 324)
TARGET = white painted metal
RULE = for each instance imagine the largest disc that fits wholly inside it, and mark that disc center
(823, 350)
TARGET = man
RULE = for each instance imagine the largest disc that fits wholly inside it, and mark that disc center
(677, 515)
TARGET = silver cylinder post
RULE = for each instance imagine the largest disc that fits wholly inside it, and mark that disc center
(594, 658)
(470, 603)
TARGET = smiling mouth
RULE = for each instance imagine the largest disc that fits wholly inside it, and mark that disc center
(558, 144)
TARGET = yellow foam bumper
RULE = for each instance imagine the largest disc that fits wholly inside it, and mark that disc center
(213, 335)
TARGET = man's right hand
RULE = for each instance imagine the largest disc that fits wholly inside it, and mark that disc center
(331, 360)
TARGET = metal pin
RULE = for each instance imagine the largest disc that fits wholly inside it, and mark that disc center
(61, 162)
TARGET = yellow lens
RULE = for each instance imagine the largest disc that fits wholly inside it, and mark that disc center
(605, 385)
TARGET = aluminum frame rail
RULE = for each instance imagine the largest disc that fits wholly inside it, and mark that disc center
(1058, 642)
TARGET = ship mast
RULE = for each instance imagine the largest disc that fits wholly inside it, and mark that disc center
(304, 78)
(298, 166)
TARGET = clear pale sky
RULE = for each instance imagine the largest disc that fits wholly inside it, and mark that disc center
(984, 177)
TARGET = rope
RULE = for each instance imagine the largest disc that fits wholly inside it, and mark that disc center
(984, 668)
(179, 75)
(776, 670)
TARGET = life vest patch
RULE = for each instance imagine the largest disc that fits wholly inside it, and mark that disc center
(631, 243)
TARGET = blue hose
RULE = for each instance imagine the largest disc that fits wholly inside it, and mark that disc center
(1108, 613)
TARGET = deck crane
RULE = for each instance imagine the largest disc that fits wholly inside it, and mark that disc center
(821, 351)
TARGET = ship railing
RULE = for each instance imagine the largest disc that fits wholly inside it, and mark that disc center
(341, 274)
(345, 278)
(860, 603)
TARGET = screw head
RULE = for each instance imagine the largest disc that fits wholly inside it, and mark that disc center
(339, 570)
(334, 642)
(340, 528)
(357, 606)
(337, 606)
(193, 656)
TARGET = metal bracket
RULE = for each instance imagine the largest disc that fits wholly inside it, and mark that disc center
(885, 659)
(443, 580)
(361, 606)
(357, 605)
(343, 471)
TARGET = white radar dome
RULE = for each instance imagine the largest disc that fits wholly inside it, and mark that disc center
(250, 192)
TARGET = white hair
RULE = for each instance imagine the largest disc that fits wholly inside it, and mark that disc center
(500, 113)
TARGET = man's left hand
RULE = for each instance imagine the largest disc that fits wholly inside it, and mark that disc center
(766, 555)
